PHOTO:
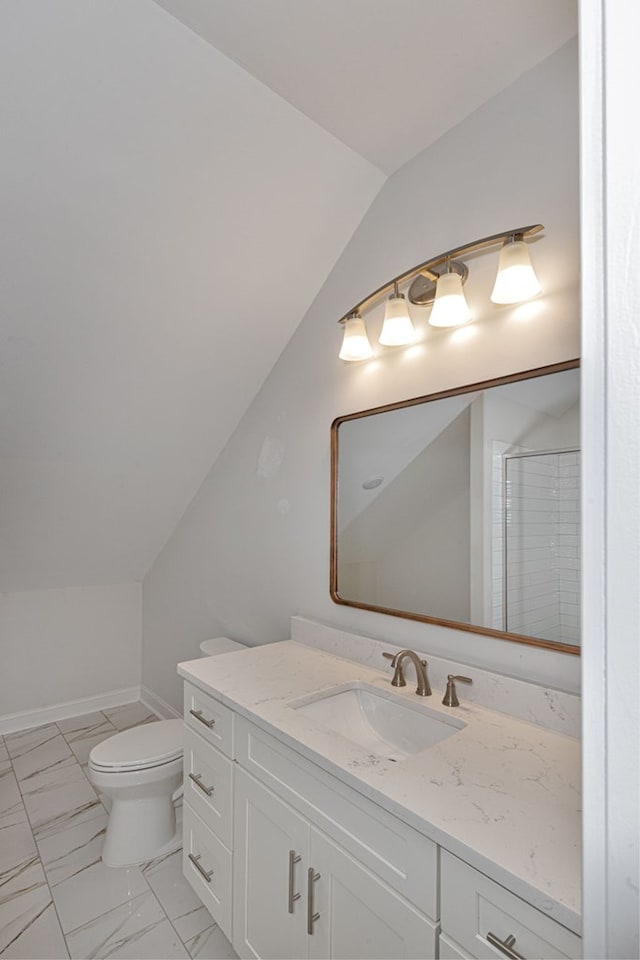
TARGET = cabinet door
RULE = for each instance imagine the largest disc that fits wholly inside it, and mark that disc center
(355, 916)
(450, 950)
(266, 830)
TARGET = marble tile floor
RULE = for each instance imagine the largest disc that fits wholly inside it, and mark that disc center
(57, 899)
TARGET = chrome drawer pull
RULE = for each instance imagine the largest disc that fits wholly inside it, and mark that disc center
(197, 779)
(207, 874)
(198, 715)
(312, 876)
(293, 859)
(505, 946)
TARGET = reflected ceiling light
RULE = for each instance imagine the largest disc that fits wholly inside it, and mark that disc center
(355, 344)
(439, 281)
(450, 307)
(372, 482)
(397, 329)
(516, 280)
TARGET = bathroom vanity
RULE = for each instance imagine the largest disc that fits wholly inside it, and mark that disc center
(420, 831)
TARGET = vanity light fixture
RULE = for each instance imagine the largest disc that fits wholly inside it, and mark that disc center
(439, 281)
(355, 345)
(516, 280)
(397, 329)
(450, 307)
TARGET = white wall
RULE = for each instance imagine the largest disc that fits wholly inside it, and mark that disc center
(68, 644)
(417, 558)
(253, 547)
(438, 548)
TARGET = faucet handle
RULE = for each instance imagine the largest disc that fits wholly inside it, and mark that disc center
(450, 698)
(398, 677)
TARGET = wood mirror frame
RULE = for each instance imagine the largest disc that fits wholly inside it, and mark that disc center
(408, 614)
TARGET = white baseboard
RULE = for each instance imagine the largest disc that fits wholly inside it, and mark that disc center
(159, 706)
(12, 722)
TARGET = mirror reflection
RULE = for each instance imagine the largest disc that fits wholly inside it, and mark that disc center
(464, 508)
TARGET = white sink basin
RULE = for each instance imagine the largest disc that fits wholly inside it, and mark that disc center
(378, 720)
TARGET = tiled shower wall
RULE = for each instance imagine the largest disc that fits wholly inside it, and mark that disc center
(543, 546)
(568, 546)
(532, 603)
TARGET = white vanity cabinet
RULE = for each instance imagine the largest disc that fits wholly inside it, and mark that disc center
(297, 892)
(481, 919)
(293, 863)
(357, 914)
(271, 840)
(208, 799)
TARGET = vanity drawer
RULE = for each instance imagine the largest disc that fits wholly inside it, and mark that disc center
(405, 859)
(209, 872)
(473, 906)
(211, 719)
(208, 784)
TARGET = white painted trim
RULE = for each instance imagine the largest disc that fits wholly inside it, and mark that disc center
(159, 706)
(11, 722)
(593, 443)
(610, 170)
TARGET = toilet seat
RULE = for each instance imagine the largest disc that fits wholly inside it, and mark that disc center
(140, 748)
(139, 774)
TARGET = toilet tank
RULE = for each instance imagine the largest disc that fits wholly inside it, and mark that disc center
(210, 648)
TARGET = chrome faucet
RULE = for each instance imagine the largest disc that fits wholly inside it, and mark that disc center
(423, 689)
(451, 696)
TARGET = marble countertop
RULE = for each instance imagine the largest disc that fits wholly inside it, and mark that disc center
(502, 794)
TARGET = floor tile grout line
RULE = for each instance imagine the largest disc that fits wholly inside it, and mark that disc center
(111, 733)
(44, 872)
(115, 906)
(35, 842)
(39, 858)
(149, 888)
(37, 745)
(169, 918)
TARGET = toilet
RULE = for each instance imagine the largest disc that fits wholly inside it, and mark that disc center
(140, 772)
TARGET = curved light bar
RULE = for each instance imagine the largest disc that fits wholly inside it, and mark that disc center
(516, 278)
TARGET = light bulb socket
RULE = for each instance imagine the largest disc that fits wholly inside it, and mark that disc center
(422, 291)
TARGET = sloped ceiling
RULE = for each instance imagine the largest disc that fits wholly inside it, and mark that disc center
(386, 77)
(160, 241)
(159, 245)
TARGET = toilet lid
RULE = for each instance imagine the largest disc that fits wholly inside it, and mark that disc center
(140, 747)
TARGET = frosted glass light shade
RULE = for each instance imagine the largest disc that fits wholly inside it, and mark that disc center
(450, 308)
(355, 345)
(397, 329)
(516, 280)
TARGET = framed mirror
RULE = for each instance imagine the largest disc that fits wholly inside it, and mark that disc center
(463, 508)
